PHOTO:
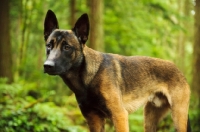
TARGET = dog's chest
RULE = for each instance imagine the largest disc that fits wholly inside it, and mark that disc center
(92, 102)
(89, 97)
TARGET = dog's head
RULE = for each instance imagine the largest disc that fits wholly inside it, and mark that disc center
(64, 48)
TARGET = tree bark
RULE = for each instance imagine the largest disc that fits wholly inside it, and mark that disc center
(184, 8)
(196, 50)
(196, 55)
(72, 12)
(96, 40)
(5, 46)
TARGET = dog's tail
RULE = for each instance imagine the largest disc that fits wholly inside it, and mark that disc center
(188, 125)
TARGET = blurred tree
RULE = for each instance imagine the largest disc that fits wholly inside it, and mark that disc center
(184, 8)
(5, 45)
(24, 18)
(96, 25)
(196, 57)
(72, 12)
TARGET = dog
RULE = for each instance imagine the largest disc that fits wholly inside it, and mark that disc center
(111, 86)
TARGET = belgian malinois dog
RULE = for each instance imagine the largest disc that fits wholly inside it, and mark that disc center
(110, 85)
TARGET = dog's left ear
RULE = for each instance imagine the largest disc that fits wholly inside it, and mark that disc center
(50, 23)
(81, 28)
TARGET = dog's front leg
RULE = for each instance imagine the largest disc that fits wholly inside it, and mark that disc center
(119, 115)
(95, 122)
(120, 120)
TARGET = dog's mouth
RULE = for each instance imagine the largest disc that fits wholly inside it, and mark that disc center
(53, 72)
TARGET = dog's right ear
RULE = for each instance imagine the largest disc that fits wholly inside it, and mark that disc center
(50, 24)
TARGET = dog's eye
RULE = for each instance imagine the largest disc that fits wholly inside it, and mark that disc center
(49, 46)
(66, 46)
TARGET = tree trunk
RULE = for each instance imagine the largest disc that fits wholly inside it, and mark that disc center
(184, 8)
(180, 40)
(72, 12)
(196, 55)
(24, 14)
(196, 49)
(5, 46)
(96, 40)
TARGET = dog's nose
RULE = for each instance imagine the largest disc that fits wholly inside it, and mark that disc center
(48, 65)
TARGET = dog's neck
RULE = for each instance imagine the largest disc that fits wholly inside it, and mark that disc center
(87, 70)
(92, 63)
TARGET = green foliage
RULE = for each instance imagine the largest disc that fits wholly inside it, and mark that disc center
(20, 111)
(194, 114)
(142, 28)
(136, 121)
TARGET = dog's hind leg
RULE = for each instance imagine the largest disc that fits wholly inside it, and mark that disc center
(180, 117)
(153, 114)
(179, 107)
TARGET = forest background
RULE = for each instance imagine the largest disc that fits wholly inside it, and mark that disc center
(31, 101)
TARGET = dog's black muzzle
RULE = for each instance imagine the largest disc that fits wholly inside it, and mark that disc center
(49, 67)
(53, 68)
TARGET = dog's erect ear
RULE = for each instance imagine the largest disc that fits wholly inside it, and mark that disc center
(50, 23)
(81, 28)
